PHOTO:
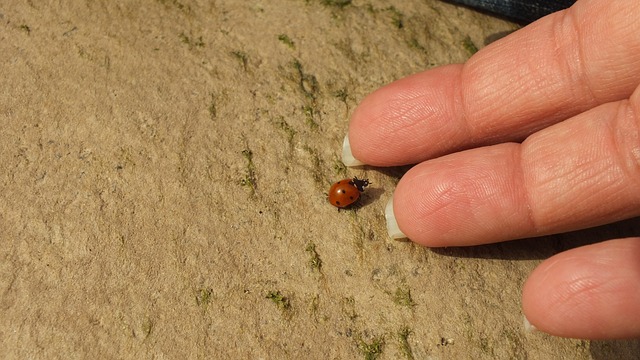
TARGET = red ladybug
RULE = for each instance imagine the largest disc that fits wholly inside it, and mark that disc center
(346, 191)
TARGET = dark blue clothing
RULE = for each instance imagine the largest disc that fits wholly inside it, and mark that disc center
(523, 11)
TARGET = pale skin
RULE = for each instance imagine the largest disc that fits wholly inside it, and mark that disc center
(538, 133)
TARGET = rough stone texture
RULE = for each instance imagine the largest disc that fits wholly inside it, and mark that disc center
(162, 192)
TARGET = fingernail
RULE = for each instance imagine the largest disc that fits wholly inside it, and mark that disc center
(392, 225)
(347, 156)
(528, 328)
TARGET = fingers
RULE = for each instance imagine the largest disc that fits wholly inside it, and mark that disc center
(553, 69)
(592, 292)
(582, 172)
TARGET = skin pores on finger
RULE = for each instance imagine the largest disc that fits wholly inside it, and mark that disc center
(467, 198)
(584, 172)
(390, 126)
(591, 292)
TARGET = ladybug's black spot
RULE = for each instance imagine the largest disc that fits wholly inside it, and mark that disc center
(337, 202)
(351, 197)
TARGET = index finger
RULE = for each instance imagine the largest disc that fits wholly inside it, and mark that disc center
(555, 68)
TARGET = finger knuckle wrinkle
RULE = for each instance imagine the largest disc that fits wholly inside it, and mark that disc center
(626, 142)
(570, 54)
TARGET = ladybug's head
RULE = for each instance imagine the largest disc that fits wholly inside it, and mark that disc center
(360, 184)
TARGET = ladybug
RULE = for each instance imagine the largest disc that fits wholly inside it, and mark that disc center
(346, 192)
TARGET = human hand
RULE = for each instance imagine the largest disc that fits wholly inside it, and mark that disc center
(567, 88)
